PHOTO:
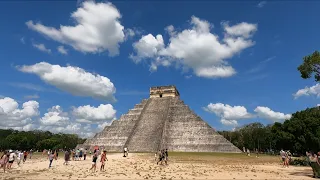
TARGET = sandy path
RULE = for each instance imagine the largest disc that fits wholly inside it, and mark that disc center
(143, 167)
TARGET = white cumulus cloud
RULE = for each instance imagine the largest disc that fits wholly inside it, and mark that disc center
(90, 114)
(12, 116)
(228, 114)
(267, 113)
(196, 48)
(226, 122)
(231, 114)
(73, 80)
(62, 50)
(42, 48)
(308, 91)
(55, 117)
(97, 29)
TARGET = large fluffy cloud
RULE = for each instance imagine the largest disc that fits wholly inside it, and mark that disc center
(267, 113)
(83, 120)
(90, 114)
(55, 119)
(12, 116)
(231, 114)
(308, 91)
(97, 28)
(73, 80)
(196, 48)
(228, 114)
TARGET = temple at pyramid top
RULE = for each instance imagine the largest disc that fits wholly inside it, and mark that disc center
(164, 91)
(163, 121)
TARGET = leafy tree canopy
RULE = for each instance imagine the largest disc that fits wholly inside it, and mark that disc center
(22, 140)
(311, 66)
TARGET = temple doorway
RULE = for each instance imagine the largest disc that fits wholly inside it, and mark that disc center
(161, 95)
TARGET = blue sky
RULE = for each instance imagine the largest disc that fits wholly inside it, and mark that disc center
(277, 36)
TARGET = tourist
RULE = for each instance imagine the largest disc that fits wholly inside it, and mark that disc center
(166, 155)
(103, 160)
(25, 155)
(66, 157)
(4, 160)
(94, 161)
(160, 156)
(155, 157)
(289, 155)
(72, 155)
(12, 157)
(77, 154)
(314, 163)
(125, 152)
(248, 152)
(51, 157)
(84, 154)
(80, 154)
(20, 155)
(284, 158)
(30, 154)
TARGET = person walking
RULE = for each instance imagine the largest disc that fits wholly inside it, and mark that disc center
(103, 160)
(25, 155)
(4, 160)
(85, 154)
(66, 157)
(94, 161)
(51, 157)
(20, 155)
(31, 153)
(166, 155)
(12, 157)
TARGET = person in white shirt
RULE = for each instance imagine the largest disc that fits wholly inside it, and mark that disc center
(20, 155)
(12, 157)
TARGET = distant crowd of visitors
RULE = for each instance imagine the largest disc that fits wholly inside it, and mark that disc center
(162, 156)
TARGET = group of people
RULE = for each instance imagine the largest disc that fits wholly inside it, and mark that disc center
(162, 156)
(95, 157)
(8, 157)
(78, 154)
(286, 157)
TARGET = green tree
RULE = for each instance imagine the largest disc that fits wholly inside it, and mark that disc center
(311, 66)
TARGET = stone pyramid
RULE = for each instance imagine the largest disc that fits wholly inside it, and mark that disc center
(162, 121)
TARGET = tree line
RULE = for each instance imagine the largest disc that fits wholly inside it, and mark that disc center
(37, 140)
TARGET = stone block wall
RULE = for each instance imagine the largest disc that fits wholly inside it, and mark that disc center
(147, 135)
(114, 137)
(185, 131)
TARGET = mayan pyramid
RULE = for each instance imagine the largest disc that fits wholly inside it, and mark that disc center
(162, 121)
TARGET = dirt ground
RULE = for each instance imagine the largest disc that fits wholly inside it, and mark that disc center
(143, 166)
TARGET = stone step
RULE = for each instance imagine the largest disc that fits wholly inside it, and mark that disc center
(134, 111)
(148, 133)
(225, 147)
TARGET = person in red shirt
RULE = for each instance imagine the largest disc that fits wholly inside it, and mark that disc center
(25, 155)
(103, 159)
